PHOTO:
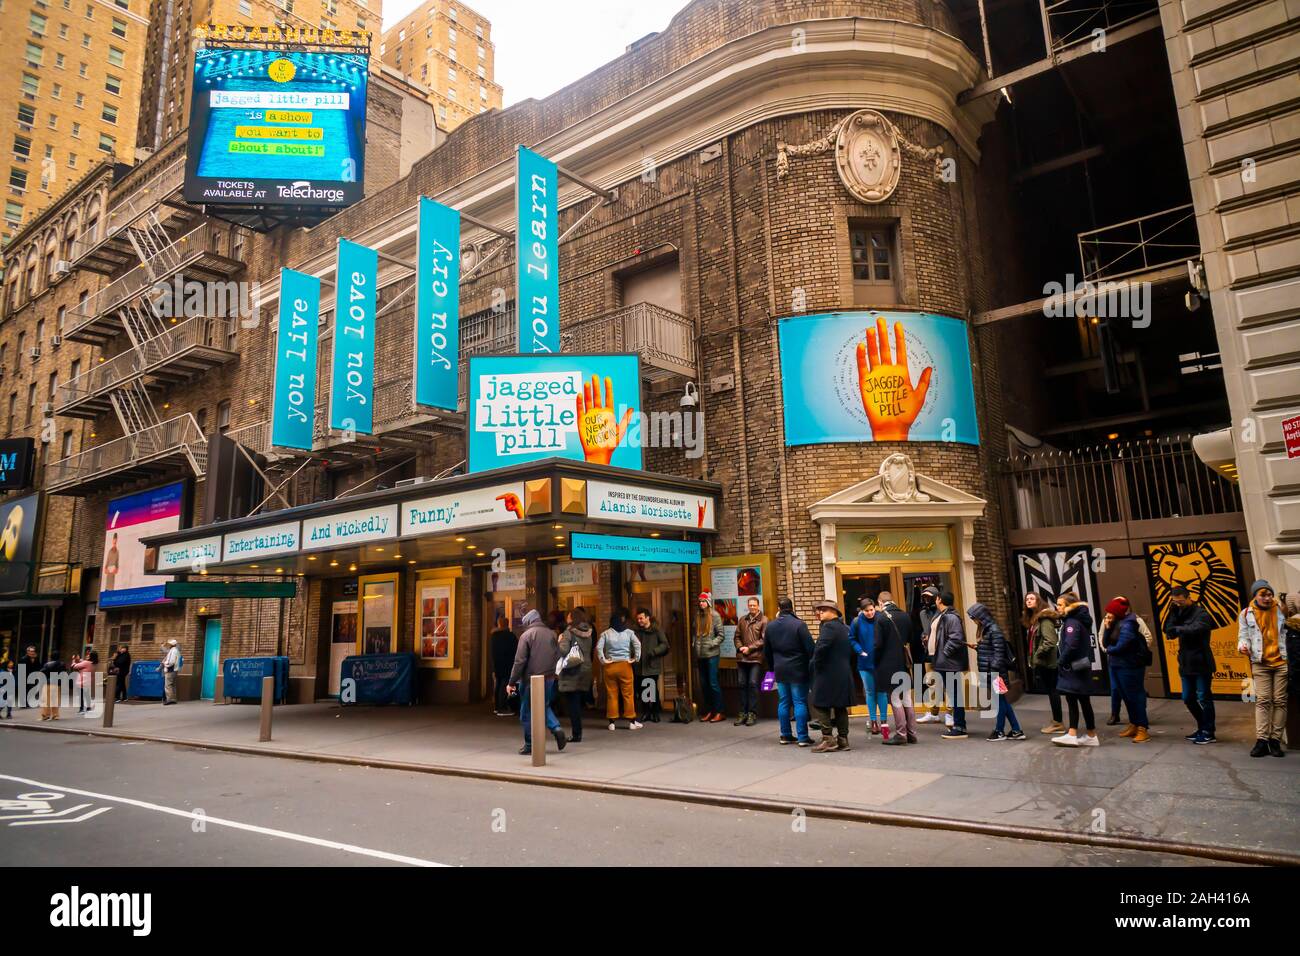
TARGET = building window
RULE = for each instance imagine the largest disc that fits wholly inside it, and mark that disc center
(451, 35)
(482, 93)
(13, 212)
(478, 30)
(36, 23)
(76, 128)
(26, 114)
(66, 448)
(482, 53)
(90, 12)
(72, 160)
(63, 31)
(17, 178)
(119, 28)
(58, 60)
(451, 12)
(56, 91)
(74, 372)
(112, 84)
(116, 57)
(59, 318)
(245, 8)
(482, 72)
(83, 70)
(52, 121)
(53, 386)
(31, 85)
(109, 113)
(451, 74)
(80, 101)
(35, 55)
(875, 269)
(223, 417)
(31, 403)
(147, 632)
(401, 35)
(22, 146)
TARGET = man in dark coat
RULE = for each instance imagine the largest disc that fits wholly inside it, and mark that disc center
(893, 677)
(120, 666)
(951, 661)
(788, 652)
(832, 678)
(502, 644)
(1191, 625)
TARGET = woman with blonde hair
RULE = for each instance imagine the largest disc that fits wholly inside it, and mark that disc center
(1042, 628)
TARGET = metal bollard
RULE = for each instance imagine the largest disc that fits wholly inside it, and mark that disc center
(110, 698)
(218, 691)
(537, 717)
(268, 699)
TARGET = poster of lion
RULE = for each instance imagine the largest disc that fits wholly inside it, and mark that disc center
(1209, 569)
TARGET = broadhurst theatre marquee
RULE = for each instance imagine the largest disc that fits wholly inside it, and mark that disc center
(416, 563)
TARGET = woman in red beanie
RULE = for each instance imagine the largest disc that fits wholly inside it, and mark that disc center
(1127, 650)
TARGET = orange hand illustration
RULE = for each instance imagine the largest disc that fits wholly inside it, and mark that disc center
(598, 430)
(888, 397)
(703, 507)
(512, 503)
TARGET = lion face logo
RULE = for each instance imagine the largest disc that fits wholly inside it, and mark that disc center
(1194, 565)
(12, 532)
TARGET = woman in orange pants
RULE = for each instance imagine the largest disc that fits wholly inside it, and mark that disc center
(618, 649)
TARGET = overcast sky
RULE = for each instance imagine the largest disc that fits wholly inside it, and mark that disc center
(543, 47)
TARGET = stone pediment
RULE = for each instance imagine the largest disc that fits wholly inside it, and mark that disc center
(898, 491)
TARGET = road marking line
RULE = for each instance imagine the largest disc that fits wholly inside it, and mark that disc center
(233, 824)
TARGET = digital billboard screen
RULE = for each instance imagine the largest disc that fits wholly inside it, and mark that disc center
(276, 127)
(122, 581)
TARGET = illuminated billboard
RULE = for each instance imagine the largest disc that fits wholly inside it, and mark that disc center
(276, 127)
(122, 580)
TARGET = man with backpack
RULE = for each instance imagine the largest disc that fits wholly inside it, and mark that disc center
(171, 666)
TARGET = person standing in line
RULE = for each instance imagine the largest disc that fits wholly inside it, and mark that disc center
(708, 646)
(1191, 626)
(1259, 637)
(952, 662)
(122, 668)
(171, 666)
(617, 650)
(788, 651)
(28, 665)
(862, 636)
(8, 682)
(1127, 650)
(575, 680)
(993, 656)
(1042, 626)
(1292, 641)
(537, 654)
(749, 661)
(654, 648)
(85, 672)
(905, 627)
(53, 670)
(893, 678)
(502, 645)
(1075, 666)
(832, 678)
(927, 617)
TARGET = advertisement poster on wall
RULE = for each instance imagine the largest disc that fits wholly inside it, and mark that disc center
(343, 632)
(17, 540)
(732, 581)
(1209, 569)
(877, 376)
(435, 604)
(122, 581)
(1049, 574)
(529, 407)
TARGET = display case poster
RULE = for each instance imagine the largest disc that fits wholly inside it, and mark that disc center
(435, 612)
(732, 587)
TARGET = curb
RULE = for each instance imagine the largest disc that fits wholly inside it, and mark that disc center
(1224, 854)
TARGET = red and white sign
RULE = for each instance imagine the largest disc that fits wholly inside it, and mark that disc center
(1291, 436)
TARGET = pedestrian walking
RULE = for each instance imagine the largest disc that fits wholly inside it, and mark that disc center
(952, 662)
(708, 647)
(1042, 626)
(537, 653)
(617, 650)
(832, 678)
(1074, 664)
(654, 648)
(171, 666)
(993, 658)
(788, 652)
(862, 635)
(1259, 636)
(54, 670)
(84, 670)
(502, 644)
(121, 667)
(892, 677)
(1191, 626)
(575, 676)
(749, 660)
(1128, 655)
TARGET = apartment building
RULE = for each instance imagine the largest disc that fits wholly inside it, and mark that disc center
(446, 47)
(71, 95)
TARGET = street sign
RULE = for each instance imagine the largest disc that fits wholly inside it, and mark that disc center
(1291, 436)
(211, 590)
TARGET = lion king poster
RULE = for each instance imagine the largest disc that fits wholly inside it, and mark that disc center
(1208, 568)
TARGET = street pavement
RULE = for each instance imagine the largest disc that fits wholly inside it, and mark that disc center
(1166, 789)
(70, 801)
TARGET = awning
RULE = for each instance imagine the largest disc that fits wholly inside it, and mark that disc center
(530, 508)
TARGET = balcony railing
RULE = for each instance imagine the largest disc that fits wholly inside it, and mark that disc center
(135, 205)
(664, 340)
(1130, 481)
(1139, 245)
(140, 452)
(178, 342)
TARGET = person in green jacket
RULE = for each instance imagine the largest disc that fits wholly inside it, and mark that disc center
(708, 645)
(1042, 624)
(654, 648)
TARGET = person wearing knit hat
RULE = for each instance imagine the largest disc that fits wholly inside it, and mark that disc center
(708, 647)
(1260, 628)
(1120, 605)
(1127, 653)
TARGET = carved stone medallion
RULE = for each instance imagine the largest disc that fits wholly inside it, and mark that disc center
(867, 156)
(898, 481)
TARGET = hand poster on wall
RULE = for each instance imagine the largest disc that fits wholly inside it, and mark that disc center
(877, 376)
(732, 587)
(1209, 569)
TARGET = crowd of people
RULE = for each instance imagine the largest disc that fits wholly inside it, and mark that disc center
(903, 660)
(82, 668)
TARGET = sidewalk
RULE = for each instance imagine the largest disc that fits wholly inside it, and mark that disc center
(1167, 789)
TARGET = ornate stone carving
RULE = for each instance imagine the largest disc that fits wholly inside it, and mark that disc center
(868, 150)
(898, 481)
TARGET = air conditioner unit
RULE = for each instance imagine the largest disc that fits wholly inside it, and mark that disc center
(56, 341)
(34, 352)
(62, 267)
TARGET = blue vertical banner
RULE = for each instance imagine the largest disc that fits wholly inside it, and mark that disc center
(352, 386)
(293, 401)
(537, 252)
(437, 306)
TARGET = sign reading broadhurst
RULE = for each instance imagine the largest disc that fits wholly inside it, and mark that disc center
(537, 252)
(293, 418)
(437, 306)
(352, 391)
(872, 376)
(527, 407)
(276, 127)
